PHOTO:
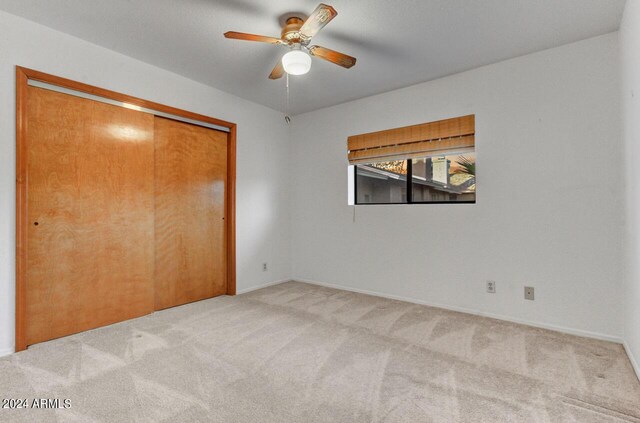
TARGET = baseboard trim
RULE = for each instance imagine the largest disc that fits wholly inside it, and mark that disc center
(7, 351)
(632, 359)
(570, 331)
(264, 285)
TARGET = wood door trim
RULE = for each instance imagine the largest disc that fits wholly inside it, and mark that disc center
(231, 211)
(23, 75)
(124, 98)
(21, 208)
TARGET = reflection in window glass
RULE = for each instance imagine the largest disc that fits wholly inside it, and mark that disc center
(436, 179)
(382, 183)
(444, 179)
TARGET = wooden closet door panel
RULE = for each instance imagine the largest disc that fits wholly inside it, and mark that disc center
(190, 192)
(90, 208)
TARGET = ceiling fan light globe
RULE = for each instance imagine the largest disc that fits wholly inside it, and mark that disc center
(296, 62)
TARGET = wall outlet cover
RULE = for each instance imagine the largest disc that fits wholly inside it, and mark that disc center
(529, 293)
(491, 287)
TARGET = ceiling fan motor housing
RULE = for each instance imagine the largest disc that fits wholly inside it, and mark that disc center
(291, 31)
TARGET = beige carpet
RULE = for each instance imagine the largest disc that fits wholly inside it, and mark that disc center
(301, 353)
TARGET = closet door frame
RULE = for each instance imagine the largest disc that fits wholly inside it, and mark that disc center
(23, 76)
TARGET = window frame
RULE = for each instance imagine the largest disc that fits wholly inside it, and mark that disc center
(409, 189)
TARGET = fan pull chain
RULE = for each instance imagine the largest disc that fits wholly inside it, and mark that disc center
(286, 108)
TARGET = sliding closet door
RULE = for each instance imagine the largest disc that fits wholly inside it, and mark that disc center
(190, 192)
(90, 208)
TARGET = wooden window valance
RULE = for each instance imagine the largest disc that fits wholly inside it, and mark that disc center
(455, 135)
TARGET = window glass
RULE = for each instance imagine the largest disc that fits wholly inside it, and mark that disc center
(382, 183)
(444, 179)
(437, 179)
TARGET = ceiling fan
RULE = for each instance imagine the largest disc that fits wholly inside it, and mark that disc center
(297, 34)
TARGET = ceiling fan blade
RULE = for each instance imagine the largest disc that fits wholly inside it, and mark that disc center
(277, 71)
(332, 56)
(317, 20)
(251, 37)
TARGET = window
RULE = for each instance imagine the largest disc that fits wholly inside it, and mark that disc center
(436, 179)
(428, 163)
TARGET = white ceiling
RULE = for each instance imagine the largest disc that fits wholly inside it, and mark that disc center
(397, 42)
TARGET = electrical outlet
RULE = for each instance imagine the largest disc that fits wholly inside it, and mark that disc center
(264, 267)
(529, 293)
(491, 287)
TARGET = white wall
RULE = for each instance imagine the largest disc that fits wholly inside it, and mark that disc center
(549, 207)
(630, 67)
(263, 158)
